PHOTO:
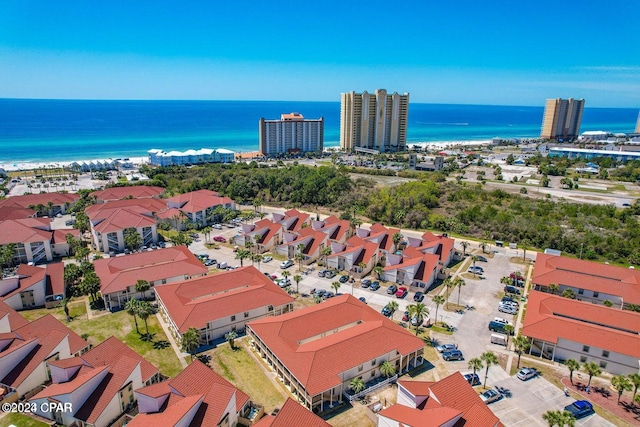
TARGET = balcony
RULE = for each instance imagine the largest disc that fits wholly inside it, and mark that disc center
(370, 387)
(251, 413)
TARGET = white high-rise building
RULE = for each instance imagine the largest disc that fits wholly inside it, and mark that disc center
(562, 118)
(638, 124)
(376, 121)
(291, 134)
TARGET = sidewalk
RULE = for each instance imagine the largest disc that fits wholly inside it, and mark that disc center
(178, 352)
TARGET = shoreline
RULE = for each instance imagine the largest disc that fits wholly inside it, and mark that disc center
(140, 160)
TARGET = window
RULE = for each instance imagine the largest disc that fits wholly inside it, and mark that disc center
(605, 353)
(246, 314)
(580, 291)
(603, 365)
(360, 368)
(373, 374)
(596, 294)
(585, 348)
(233, 318)
(270, 308)
(373, 362)
(583, 359)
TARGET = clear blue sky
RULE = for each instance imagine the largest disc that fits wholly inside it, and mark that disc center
(441, 51)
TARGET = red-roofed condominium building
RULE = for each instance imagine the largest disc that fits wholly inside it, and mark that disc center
(32, 238)
(292, 414)
(26, 349)
(119, 275)
(446, 403)
(98, 386)
(196, 397)
(220, 303)
(33, 286)
(318, 350)
(44, 204)
(589, 281)
(127, 192)
(563, 328)
(200, 206)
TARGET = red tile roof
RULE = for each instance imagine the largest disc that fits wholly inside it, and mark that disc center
(593, 276)
(200, 200)
(119, 272)
(342, 226)
(28, 230)
(26, 200)
(60, 235)
(122, 219)
(28, 275)
(110, 350)
(193, 303)
(298, 340)
(146, 206)
(292, 414)
(55, 279)
(14, 212)
(171, 416)
(552, 317)
(135, 191)
(81, 378)
(15, 319)
(434, 417)
(300, 218)
(196, 382)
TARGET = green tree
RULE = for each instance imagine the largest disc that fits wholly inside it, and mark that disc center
(336, 286)
(299, 256)
(635, 380)
(357, 385)
(397, 238)
(132, 239)
(464, 245)
(131, 308)
(90, 285)
(72, 242)
(591, 369)
(257, 258)
(286, 275)
(438, 300)
(521, 344)
(207, 233)
(7, 254)
(459, 283)
(145, 310)
(142, 286)
(242, 254)
(420, 311)
(483, 246)
(508, 330)
(489, 358)
(65, 307)
(559, 418)
(569, 293)
(387, 369)
(190, 341)
(475, 364)
(82, 253)
(231, 338)
(553, 288)
(393, 306)
(325, 252)
(621, 383)
(573, 366)
(378, 271)
(297, 278)
(72, 275)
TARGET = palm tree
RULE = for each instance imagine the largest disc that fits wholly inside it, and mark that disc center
(387, 369)
(299, 256)
(483, 246)
(397, 238)
(393, 306)
(142, 286)
(420, 311)
(464, 245)
(65, 307)
(231, 338)
(572, 365)
(357, 385)
(525, 246)
(132, 309)
(521, 344)
(132, 239)
(489, 358)
(459, 283)
(508, 330)
(474, 259)
(635, 380)
(286, 274)
(242, 254)
(438, 300)
(90, 285)
(144, 310)
(553, 418)
(325, 252)
(190, 341)
(569, 293)
(257, 258)
(592, 370)
(378, 270)
(448, 283)
(207, 232)
(336, 285)
(297, 278)
(475, 364)
(621, 383)
(553, 288)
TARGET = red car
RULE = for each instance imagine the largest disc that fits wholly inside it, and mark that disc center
(220, 239)
(401, 292)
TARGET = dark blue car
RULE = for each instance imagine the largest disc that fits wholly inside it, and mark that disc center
(579, 409)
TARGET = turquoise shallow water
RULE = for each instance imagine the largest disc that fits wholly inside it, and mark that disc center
(59, 130)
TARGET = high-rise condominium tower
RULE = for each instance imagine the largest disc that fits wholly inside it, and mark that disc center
(638, 124)
(375, 121)
(291, 134)
(562, 118)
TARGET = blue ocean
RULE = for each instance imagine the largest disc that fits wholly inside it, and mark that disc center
(34, 130)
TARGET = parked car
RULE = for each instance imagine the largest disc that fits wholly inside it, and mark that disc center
(267, 258)
(446, 347)
(497, 327)
(414, 321)
(525, 374)
(405, 316)
(509, 309)
(375, 286)
(418, 297)
(579, 409)
(194, 235)
(70, 222)
(330, 274)
(481, 258)
(328, 295)
(472, 379)
(475, 270)
(452, 355)
(365, 283)
(322, 272)
(387, 311)
(286, 264)
(401, 292)
(508, 299)
(343, 279)
(502, 320)
(511, 290)
(363, 299)
(392, 289)
(217, 226)
(319, 292)
(490, 396)
(220, 239)
(209, 262)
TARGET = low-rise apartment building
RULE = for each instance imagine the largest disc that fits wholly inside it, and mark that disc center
(112, 194)
(199, 206)
(33, 286)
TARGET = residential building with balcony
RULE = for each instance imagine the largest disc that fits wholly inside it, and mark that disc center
(119, 275)
(562, 118)
(112, 194)
(32, 238)
(33, 286)
(46, 204)
(316, 351)
(292, 414)
(291, 134)
(200, 206)
(190, 157)
(307, 241)
(220, 303)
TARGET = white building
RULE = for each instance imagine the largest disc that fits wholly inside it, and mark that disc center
(190, 157)
(291, 134)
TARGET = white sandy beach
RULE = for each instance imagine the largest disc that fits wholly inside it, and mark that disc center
(17, 166)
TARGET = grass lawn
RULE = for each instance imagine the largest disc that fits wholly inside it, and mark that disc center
(20, 420)
(241, 369)
(77, 310)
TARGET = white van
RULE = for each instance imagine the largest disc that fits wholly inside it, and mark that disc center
(499, 339)
(223, 265)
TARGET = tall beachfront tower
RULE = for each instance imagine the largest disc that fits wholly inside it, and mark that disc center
(376, 121)
(562, 118)
(291, 134)
(638, 124)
